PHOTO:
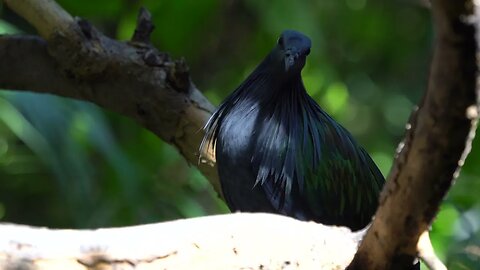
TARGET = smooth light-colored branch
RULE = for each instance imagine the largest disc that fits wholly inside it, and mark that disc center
(427, 254)
(45, 15)
(433, 150)
(215, 242)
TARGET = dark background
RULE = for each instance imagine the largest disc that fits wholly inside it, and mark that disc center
(70, 164)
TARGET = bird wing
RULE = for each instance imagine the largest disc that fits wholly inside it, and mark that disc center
(341, 181)
(310, 167)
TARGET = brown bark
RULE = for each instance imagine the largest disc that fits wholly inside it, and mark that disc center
(433, 149)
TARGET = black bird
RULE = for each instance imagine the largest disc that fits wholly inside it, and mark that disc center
(278, 151)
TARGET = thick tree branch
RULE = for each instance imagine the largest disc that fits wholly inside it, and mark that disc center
(215, 242)
(133, 79)
(27, 65)
(433, 150)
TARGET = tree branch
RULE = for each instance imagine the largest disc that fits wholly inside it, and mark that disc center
(133, 79)
(34, 69)
(214, 242)
(45, 15)
(433, 150)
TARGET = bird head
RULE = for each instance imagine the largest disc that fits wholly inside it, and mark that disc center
(292, 50)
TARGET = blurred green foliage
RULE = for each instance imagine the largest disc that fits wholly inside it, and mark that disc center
(65, 163)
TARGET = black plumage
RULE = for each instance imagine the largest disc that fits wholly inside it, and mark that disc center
(278, 151)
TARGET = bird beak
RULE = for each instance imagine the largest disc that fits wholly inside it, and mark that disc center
(290, 58)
